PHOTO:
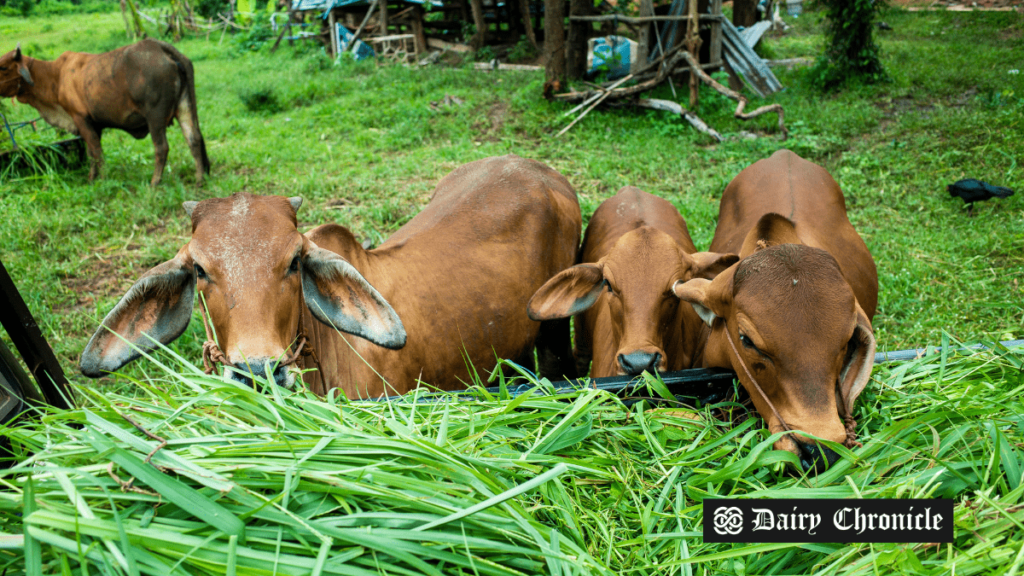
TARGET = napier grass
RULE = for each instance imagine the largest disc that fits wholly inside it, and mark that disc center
(281, 482)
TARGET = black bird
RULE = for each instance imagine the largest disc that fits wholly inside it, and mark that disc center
(970, 191)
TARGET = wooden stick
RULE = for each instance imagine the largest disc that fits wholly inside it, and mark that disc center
(598, 95)
(640, 19)
(355, 37)
(585, 112)
(669, 106)
(741, 101)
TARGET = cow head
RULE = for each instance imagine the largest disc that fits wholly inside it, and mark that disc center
(788, 316)
(13, 73)
(253, 270)
(638, 273)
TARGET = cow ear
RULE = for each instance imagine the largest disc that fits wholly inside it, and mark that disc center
(568, 293)
(338, 295)
(710, 299)
(860, 359)
(155, 310)
(25, 74)
(709, 264)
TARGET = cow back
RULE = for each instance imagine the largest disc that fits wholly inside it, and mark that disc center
(807, 195)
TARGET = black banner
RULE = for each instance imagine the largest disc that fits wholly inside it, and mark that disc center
(828, 520)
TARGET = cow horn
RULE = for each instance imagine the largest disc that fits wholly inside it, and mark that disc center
(17, 53)
(189, 206)
(295, 201)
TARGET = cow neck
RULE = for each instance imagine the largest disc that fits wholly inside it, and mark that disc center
(849, 424)
(45, 77)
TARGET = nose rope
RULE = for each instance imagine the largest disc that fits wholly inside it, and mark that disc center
(849, 424)
(212, 354)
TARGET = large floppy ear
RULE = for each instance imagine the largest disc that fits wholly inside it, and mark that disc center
(711, 299)
(860, 358)
(158, 307)
(709, 264)
(568, 293)
(338, 295)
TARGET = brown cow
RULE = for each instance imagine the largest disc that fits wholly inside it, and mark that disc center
(799, 302)
(458, 275)
(637, 246)
(139, 88)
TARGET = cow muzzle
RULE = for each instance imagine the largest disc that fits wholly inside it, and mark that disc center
(245, 372)
(814, 458)
(636, 363)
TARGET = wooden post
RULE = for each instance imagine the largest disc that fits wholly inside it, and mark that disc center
(554, 40)
(334, 34)
(384, 18)
(480, 38)
(646, 9)
(578, 36)
(419, 38)
(716, 32)
(693, 47)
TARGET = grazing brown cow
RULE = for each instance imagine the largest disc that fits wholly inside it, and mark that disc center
(627, 318)
(794, 315)
(139, 88)
(458, 276)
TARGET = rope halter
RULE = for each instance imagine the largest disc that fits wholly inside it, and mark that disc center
(849, 423)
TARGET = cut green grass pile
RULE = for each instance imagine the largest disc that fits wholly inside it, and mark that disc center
(289, 483)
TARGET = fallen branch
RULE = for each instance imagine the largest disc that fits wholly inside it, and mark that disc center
(600, 99)
(664, 72)
(740, 99)
(669, 106)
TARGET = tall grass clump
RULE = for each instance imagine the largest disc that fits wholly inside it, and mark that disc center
(198, 475)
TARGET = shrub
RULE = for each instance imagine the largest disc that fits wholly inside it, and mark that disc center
(261, 100)
(850, 49)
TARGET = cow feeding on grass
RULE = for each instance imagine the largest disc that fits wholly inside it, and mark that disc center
(445, 295)
(139, 88)
(627, 319)
(793, 316)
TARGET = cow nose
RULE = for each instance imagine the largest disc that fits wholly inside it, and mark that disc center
(816, 458)
(637, 362)
(243, 372)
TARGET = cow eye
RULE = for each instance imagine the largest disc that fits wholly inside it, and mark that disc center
(747, 342)
(200, 273)
(294, 267)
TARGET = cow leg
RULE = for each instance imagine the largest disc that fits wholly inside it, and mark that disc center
(91, 135)
(158, 131)
(554, 350)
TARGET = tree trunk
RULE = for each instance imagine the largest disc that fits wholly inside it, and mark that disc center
(480, 38)
(744, 12)
(554, 40)
(578, 36)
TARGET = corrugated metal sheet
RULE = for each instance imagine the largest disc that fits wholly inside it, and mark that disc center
(742, 59)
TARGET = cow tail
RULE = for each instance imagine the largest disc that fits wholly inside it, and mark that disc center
(189, 78)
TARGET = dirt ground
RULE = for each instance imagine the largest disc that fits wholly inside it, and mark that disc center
(961, 5)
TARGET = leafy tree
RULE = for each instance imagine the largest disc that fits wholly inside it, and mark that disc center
(850, 48)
